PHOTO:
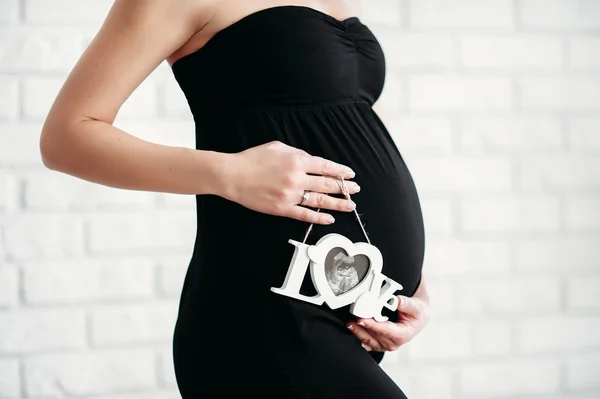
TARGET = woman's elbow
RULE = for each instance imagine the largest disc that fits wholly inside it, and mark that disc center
(53, 145)
(48, 149)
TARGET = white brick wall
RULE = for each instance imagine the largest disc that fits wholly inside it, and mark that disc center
(560, 14)
(495, 105)
(90, 373)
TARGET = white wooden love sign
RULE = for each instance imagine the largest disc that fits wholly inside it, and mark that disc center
(335, 268)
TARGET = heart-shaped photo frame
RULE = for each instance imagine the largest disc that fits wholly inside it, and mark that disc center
(318, 255)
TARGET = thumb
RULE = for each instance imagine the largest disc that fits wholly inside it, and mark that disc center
(408, 306)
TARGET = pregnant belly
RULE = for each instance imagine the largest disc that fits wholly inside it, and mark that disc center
(257, 245)
(248, 252)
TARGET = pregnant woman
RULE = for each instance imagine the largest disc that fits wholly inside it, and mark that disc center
(282, 98)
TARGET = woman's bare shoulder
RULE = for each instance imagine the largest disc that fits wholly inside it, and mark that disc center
(134, 39)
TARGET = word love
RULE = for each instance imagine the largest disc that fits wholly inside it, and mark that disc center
(366, 296)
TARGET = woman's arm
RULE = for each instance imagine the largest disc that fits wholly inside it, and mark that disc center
(78, 137)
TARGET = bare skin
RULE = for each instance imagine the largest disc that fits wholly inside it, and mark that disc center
(79, 138)
(413, 316)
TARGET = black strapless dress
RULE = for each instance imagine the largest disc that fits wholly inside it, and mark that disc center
(305, 78)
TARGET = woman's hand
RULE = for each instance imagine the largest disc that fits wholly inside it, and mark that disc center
(272, 178)
(413, 315)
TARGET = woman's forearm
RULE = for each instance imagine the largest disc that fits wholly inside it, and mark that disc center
(99, 152)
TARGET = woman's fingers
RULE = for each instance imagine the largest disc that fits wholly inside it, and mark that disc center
(308, 215)
(324, 201)
(324, 167)
(380, 338)
(385, 329)
(390, 335)
(369, 342)
(409, 306)
(319, 187)
(327, 185)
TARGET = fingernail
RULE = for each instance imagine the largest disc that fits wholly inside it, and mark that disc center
(357, 188)
(350, 206)
(349, 326)
(361, 323)
(331, 219)
(351, 173)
